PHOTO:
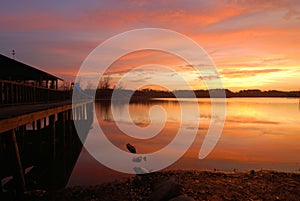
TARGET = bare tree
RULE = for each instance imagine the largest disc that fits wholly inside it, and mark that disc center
(105, 82)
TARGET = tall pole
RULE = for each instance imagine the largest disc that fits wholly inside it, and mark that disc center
(13, 53)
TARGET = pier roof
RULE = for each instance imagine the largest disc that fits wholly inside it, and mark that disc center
(11, 69)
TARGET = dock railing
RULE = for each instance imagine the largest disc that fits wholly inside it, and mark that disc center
(12, 92)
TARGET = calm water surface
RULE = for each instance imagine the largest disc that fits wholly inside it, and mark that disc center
(259, 133)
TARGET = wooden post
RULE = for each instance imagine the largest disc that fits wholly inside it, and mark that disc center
(89, 112)
(1, 190)
(8, 93)
(11, 93)
(79, 112)
(17, 93)
(21, 93)
(38, 124)
(25, 94)
(84, 111)
(45, 122)
(62, 123)
(71, 117)
(63, 116)
(53, 133)
(76, 116)
(5, 92)
(18, 169)
(70, 124)
(33, 125)
(1, 160)
(22, 130)
(34, 95)
(1, 93)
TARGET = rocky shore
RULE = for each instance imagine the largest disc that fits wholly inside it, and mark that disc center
(186, 185)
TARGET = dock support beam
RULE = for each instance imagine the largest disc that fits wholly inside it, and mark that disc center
(18, 169)
(53, 134)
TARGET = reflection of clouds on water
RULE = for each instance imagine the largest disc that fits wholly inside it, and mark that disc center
(255, 131)
(195, 128)
(249, 122)
(138, 123)
(240, 119)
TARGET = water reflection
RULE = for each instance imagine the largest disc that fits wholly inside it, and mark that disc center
(258, 133)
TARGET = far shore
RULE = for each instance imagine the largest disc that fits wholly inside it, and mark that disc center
(123, 95)
(194, 185)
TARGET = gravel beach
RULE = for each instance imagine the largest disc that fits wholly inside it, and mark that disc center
(186, 185)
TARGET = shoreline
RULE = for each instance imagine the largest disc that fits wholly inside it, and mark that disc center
(193, 184)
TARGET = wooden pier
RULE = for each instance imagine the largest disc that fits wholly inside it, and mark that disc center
(56, 118)
(37, 129)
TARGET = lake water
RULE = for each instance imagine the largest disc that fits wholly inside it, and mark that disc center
(259, 133)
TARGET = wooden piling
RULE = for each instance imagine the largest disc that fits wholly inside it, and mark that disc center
(38, 124)
(1, 160)
(80, 112)
(53, 134)
(62, 123)
(45, 122)
(33, 125)
(18, 169)
(84, 111)
(70, 124)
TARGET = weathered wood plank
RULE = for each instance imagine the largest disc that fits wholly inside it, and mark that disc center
(13, 122)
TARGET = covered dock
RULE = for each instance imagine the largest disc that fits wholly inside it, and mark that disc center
(13, 70)
(22, 83)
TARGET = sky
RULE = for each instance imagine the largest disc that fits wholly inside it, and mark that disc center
(254, 44)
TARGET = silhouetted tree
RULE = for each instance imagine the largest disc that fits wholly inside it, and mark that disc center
(105, 82)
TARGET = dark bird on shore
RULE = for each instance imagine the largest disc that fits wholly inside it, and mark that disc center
(131, 148)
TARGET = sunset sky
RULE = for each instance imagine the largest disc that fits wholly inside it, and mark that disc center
(254, 44)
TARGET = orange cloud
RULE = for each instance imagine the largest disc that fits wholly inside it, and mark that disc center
(248, 73)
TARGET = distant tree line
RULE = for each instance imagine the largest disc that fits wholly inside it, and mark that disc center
(259, 93)
(106, 93)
